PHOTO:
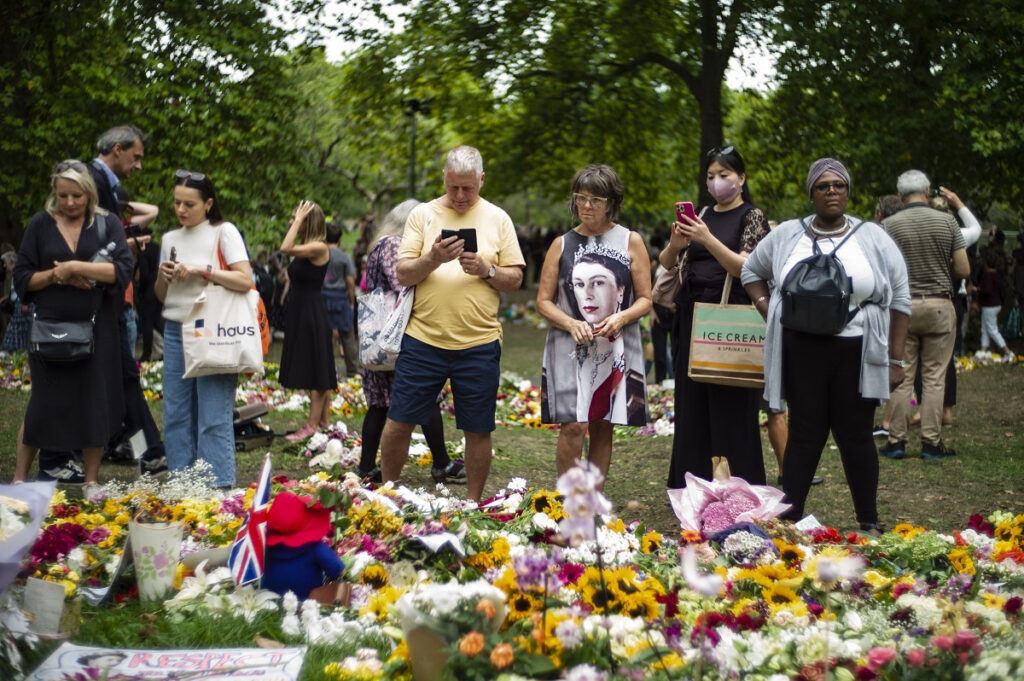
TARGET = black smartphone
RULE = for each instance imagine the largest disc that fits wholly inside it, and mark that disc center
(174, 254)
(467, 235)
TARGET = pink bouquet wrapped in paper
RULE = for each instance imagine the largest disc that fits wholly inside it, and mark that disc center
(711, 506)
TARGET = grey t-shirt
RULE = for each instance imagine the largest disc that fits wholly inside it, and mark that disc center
(338, 267)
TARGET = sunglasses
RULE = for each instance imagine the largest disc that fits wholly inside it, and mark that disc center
(596, 201)
(77, 166)
(719, 151)
(183, 175)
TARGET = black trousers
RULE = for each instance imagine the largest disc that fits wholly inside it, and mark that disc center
(821, 381)
(373, 428)
(711, 420)
(661, 332)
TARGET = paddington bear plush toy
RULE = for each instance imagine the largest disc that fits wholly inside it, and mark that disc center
(297, 558)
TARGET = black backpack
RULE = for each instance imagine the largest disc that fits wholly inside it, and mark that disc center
(816, 292)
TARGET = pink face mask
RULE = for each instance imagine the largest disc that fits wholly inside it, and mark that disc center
(723, 190)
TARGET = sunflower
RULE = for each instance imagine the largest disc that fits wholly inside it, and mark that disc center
(788, 553)
(650, 542)
(376, 576)
(779, 596)
(521, 605)
(596, 593)
(548, 502)
(640, 604)
(497, 556)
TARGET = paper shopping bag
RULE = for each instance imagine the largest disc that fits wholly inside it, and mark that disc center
(727, 344)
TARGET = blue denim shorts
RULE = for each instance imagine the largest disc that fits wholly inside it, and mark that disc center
(421, 371)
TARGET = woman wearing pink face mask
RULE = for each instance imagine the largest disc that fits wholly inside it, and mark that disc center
(714, 420)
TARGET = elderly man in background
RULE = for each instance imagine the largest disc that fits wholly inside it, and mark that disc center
(931, 242)
(454, 332)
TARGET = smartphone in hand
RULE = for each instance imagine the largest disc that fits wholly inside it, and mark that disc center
(174, 254)
(685, 208)
(467, 235)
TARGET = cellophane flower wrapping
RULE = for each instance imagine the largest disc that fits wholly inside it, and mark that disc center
(712, 505)
(450, 609)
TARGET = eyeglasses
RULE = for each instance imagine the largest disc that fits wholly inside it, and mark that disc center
(77, 166)
(182, 175)
(716, 151)
(584, 200)
(825, 187)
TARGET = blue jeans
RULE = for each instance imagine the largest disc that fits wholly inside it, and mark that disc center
(198, 414)
(132, 328)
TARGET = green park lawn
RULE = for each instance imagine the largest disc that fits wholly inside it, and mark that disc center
(986, 475)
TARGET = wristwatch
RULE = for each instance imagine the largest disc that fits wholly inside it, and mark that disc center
(898, 363)
(491, 271)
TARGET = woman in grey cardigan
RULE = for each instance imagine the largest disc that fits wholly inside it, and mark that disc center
(833, 382)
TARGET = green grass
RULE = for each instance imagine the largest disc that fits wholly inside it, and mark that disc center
(987, 474)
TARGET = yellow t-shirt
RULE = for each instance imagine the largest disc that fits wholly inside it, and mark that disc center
(454, 310)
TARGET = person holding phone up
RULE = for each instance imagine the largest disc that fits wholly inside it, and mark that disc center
(453, 332)
(714, 420)
(595, 286)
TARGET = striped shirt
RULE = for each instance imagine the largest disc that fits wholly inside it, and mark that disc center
(928, 239)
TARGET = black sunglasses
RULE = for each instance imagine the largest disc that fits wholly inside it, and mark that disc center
(77, 166)
(720, 151)
(182, 175)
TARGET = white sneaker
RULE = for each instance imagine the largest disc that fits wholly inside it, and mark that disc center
(91, 491)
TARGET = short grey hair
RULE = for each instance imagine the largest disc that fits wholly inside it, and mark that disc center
(463, 160)
(125, 135)
(912, 182)
(394, 221)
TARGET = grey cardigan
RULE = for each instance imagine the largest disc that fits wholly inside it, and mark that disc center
(892, 291)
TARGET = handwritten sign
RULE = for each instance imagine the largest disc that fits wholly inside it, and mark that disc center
(277, 664)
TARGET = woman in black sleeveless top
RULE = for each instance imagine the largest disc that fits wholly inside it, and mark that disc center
(714, 420)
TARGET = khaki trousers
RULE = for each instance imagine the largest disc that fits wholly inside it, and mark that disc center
(930, 340)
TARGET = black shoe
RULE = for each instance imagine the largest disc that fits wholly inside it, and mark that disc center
(372, 475)
(932, 452)
(66, 473)
(817, 480)
(455, 470)
(880, 431)
(153, 461)
(893, 450)
(874, 529)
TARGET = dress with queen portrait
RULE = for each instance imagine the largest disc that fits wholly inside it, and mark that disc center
(602, 380)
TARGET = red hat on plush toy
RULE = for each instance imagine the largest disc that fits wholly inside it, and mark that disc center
(294, 520)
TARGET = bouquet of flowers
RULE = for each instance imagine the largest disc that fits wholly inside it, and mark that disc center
(712, 506)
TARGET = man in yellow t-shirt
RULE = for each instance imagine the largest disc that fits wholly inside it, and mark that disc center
(454, 332)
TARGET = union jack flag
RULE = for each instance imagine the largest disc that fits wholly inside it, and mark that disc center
(246, 557)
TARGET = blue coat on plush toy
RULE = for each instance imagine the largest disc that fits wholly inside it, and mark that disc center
(297, 558)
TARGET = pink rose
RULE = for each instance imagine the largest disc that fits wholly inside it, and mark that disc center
(915, 657)
(965, 638)
(880, 656)
(942, 642)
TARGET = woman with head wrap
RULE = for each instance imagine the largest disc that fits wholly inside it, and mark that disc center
(833, 382)
(714, 420)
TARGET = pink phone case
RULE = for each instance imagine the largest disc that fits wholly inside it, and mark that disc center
(685, 208)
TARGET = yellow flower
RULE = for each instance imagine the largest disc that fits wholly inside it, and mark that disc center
(521, 605)
(779, 596)
(497, 556)
(961, 561)
(907, 531)
(993, 601)
(375, 576)
(788, 553)
(547, 501)
(616, 526)
(640, 604)
(379, 601)
(650, 542)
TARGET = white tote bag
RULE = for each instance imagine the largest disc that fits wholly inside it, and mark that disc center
(221, 334)
(383, 316)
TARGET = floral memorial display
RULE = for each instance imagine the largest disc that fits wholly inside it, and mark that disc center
(543, 584)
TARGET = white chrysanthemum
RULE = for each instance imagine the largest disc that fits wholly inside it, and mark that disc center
(542, 521)
(664, 426)
(516, 485)
(927, 612)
